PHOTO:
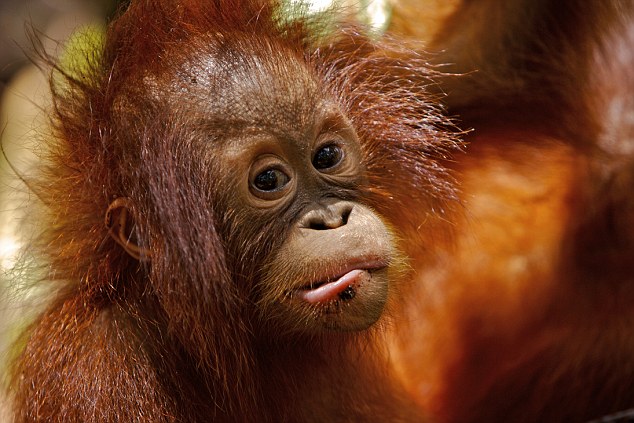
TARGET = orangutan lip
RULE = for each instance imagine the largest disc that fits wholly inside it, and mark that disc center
(342, 285)
(359, 265)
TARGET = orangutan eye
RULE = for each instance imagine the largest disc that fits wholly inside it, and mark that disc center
(327, 157)
(270, 180)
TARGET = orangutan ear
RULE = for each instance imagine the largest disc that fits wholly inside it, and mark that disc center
(121, 219)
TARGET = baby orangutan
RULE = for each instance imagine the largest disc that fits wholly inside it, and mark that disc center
(223, 204)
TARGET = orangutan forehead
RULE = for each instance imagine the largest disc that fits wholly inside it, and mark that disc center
(258, 84)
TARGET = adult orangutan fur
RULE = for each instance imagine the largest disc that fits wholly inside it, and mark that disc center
(529, 317)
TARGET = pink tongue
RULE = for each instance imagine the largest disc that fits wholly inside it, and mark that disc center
(330, 291)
